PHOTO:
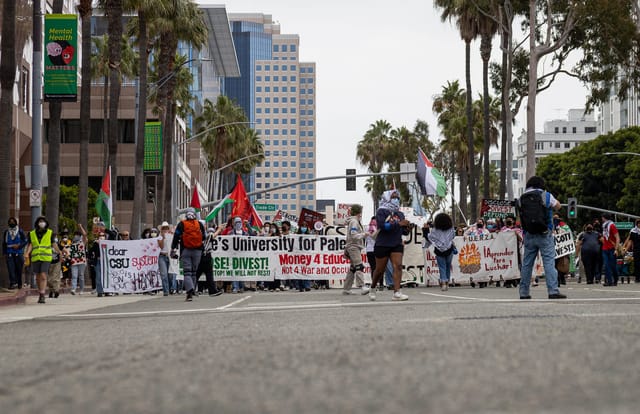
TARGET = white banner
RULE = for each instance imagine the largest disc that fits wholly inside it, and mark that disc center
(130, 266)
(312, 257)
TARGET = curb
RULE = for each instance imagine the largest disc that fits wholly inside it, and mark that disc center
(19, 298)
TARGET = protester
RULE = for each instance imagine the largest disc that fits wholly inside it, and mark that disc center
(610, 243)
(124, 235)
(441, 237)
(477, 229)
(303, 285)
(206, 264)
(78, 258)
(164, 243)
(370, 242)
(389, 244)
(14, 241)
(353, 251)
(588, 249)
(189, 237)
(39, 252)
(633, 244)
(562, 265)
(64, 245)
(509, 226)
(597, 227)
(540, 240)
(54, 275)
(94, 257)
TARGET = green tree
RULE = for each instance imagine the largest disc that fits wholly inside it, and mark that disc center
(371, 152)
(465, 15)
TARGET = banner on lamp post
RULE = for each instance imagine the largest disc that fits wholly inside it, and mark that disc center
(61, 62)
(152, 148)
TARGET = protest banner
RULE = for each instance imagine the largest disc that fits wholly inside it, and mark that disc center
(493, 208)
(130, 266)
(565, 245)
(310, 217)
(343, 212)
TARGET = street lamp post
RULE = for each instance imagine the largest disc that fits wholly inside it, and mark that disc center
(174, 161)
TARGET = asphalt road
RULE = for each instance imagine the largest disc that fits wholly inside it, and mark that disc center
(462, 351)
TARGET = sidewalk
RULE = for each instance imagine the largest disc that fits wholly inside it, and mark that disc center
(26, 306)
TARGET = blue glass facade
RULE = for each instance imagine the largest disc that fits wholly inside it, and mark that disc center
(252, 44)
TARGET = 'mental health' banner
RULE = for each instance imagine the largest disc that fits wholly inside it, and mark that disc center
(61, 61)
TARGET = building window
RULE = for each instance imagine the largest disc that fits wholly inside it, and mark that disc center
(575, 130)
(564, 130)
(567, 145)
(557, 145)
(125, 188)
(588, 130)
(276, 48)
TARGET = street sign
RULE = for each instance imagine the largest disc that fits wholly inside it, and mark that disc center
(624, 225)
(35, 198)
(265, 207)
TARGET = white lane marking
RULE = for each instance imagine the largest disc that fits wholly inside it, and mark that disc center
(612, 290)
(453, 296)
(235, 302)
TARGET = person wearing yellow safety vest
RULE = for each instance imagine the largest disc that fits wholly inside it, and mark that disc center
(39, 253)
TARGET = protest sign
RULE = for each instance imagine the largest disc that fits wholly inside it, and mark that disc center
(493, 208)
(130, 266)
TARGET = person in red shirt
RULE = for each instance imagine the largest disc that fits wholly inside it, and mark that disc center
(610, 242)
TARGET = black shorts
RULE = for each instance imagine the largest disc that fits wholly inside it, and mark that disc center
(385, 251)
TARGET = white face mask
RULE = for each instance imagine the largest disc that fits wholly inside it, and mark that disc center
(395, 202)
(42, 224)
(237, 226)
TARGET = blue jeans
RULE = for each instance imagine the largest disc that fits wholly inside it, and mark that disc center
(77, 276)
(388, 274)
(15, 262)
(545, 244)
(237, 285)
(163, 269)
(610, 267)
(99, 288)
(444, 265)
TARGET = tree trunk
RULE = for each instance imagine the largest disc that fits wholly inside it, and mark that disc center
(53, 159)
(506, 108)
(485, 52)
(464, 183)
(168, 52)
(114, 12)
(85, 113)
(139, 198)
(53, 165)
(7, 79)
(506, 87)
(105, 122)
(470, 147)
(531, 98)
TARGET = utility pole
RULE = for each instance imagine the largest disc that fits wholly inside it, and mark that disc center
(36, 120)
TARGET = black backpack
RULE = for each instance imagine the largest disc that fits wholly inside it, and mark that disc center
(533, 211)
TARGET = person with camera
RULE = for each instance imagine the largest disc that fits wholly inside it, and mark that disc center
(441, 237)
(389, 245)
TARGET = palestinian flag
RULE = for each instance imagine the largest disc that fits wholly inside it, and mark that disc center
(214, 213)
(104, 205)
(195, 201)
(429, 178)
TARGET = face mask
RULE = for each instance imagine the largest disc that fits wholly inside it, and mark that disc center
(490, 227)
(76, 239)
(395, 202)
(237, 226)
(12, 225)
(154, 234)
(303, 229)
(479, 225)
(42, 224)
(266, 229)
(272, 230)
(101, 238)
(509, 223)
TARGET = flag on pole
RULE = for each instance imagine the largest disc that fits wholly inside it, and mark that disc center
(195, 201)
(242, 207)
(104, 205)
(214, 213)
(429, 178)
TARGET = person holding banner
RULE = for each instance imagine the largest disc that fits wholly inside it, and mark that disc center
(441, 237)
(189, 236)
(389, 245)
(353, 251)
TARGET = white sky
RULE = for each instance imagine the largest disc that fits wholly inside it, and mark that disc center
(382, 60)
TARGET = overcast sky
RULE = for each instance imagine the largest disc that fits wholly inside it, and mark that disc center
(382, 60)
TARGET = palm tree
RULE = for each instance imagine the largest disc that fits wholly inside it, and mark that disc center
(450, 107)
(53, 160)
(371, 152)
(465, 14)
(183, 21)
(7, 78)
(139, 27)
(85, 10)
(488, 27)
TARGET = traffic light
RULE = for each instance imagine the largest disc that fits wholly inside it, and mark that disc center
(151, 194)
(572, 208)
(351, 179)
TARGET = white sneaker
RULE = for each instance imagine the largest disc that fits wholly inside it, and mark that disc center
(347, 292)
(365, 290)
(372, 294)
(400, 296)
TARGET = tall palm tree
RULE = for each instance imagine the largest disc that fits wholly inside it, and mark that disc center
(449, 105)
(85, 10)
(53, 160)
(183, 21)
(144, 9)
(7, 79)
(465, 14)
(487, 27)
(371, 152)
